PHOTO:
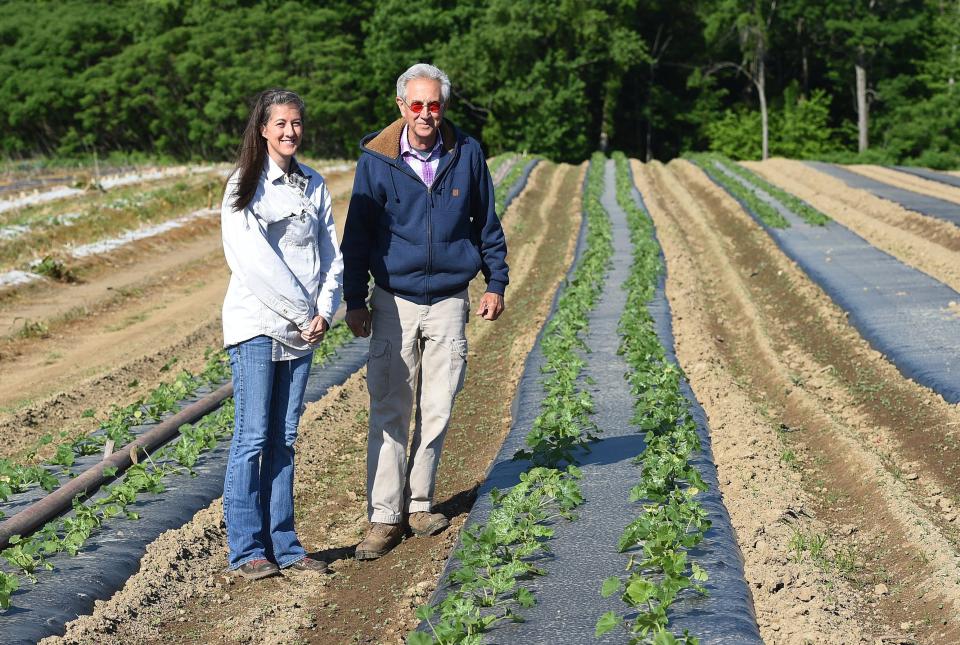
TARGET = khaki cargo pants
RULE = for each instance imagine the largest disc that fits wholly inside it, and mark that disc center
(418, 359)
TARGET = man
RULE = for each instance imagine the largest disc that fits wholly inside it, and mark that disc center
(422, 222)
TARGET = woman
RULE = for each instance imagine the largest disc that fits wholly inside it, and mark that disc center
(281, 246)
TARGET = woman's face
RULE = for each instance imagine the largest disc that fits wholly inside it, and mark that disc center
(283, 131)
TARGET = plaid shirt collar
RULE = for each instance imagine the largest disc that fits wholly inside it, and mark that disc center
(407, 150)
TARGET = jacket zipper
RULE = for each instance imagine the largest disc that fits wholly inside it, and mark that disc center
(426, 281)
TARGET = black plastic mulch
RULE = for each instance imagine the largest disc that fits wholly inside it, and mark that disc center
(932, 175)
(903, 313)
(923, 204)
(585, 551)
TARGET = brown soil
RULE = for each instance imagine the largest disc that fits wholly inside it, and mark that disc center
(106, 338)
(907, 181)
(180, 593)
(925, 243)
(836, 470)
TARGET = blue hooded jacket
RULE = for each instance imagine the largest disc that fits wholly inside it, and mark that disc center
(421, 244)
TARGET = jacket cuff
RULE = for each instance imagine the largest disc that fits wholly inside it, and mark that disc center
(497, 287)
(356, 302)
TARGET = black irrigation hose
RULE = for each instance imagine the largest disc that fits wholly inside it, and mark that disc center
(61, 500)
(113, 552)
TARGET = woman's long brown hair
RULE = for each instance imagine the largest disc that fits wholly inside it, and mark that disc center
(252, 153)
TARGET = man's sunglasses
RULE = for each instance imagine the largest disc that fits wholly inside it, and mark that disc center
(417, 106)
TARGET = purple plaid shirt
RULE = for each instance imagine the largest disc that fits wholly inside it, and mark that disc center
(424, 166)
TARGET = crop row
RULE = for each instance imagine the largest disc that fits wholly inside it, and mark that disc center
(710, 162)
(507, 182)
(29, 554)
(495, 555)
(670, 520)
(494, 163)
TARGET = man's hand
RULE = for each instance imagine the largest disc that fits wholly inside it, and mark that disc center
(315, 332)
(491, 306)
(358, 320)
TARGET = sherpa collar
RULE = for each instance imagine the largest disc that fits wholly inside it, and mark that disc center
(387, 143)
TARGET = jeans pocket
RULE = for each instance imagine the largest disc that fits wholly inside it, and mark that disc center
(458, 365)
(378, 369)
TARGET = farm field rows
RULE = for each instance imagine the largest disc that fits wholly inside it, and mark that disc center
(837, 471)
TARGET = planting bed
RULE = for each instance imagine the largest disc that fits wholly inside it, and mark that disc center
(563, 601)
(932, 175)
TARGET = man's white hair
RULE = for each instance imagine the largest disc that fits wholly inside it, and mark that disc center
(424, 70)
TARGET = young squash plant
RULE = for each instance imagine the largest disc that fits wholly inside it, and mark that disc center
(670, 520)
(496, 555)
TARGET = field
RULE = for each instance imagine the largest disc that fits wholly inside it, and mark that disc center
(812, 320)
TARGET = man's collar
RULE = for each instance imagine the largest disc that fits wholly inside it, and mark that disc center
(406, 147)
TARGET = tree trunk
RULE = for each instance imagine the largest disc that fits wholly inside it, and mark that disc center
(610, 94)
(804, 62)
(863, 108)
(764, 122)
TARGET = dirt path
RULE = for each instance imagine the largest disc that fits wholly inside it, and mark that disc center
(925, 243)
(180, 593)
(156, 301)
(836, 470)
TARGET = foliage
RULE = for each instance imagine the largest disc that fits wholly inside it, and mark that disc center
(118, 427)
(722, 172)
(799, 129)
(670, 520)
(508, 181)
(174, 79)
(338, 336)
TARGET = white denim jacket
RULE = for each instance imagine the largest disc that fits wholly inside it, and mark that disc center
(285, 261)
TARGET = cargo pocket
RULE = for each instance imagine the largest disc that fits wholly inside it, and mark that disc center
(458, 365)
(378, 369)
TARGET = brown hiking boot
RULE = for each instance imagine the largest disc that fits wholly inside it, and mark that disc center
(380, 539)
(423, 523)
(307, 565)
(256, 569)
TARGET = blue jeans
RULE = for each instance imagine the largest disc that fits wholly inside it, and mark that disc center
(258, 488)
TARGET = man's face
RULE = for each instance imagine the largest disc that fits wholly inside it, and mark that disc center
(425, 91)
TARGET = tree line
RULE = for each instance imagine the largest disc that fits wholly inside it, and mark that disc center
(869, 80)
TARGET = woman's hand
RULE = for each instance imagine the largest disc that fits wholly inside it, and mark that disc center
(315, 332)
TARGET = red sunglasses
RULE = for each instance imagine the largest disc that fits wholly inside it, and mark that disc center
(417, 106)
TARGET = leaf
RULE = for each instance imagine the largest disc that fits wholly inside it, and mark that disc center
(425, 612)
(524, 598)
(607, 622)
(610, 586)
(419, 638)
